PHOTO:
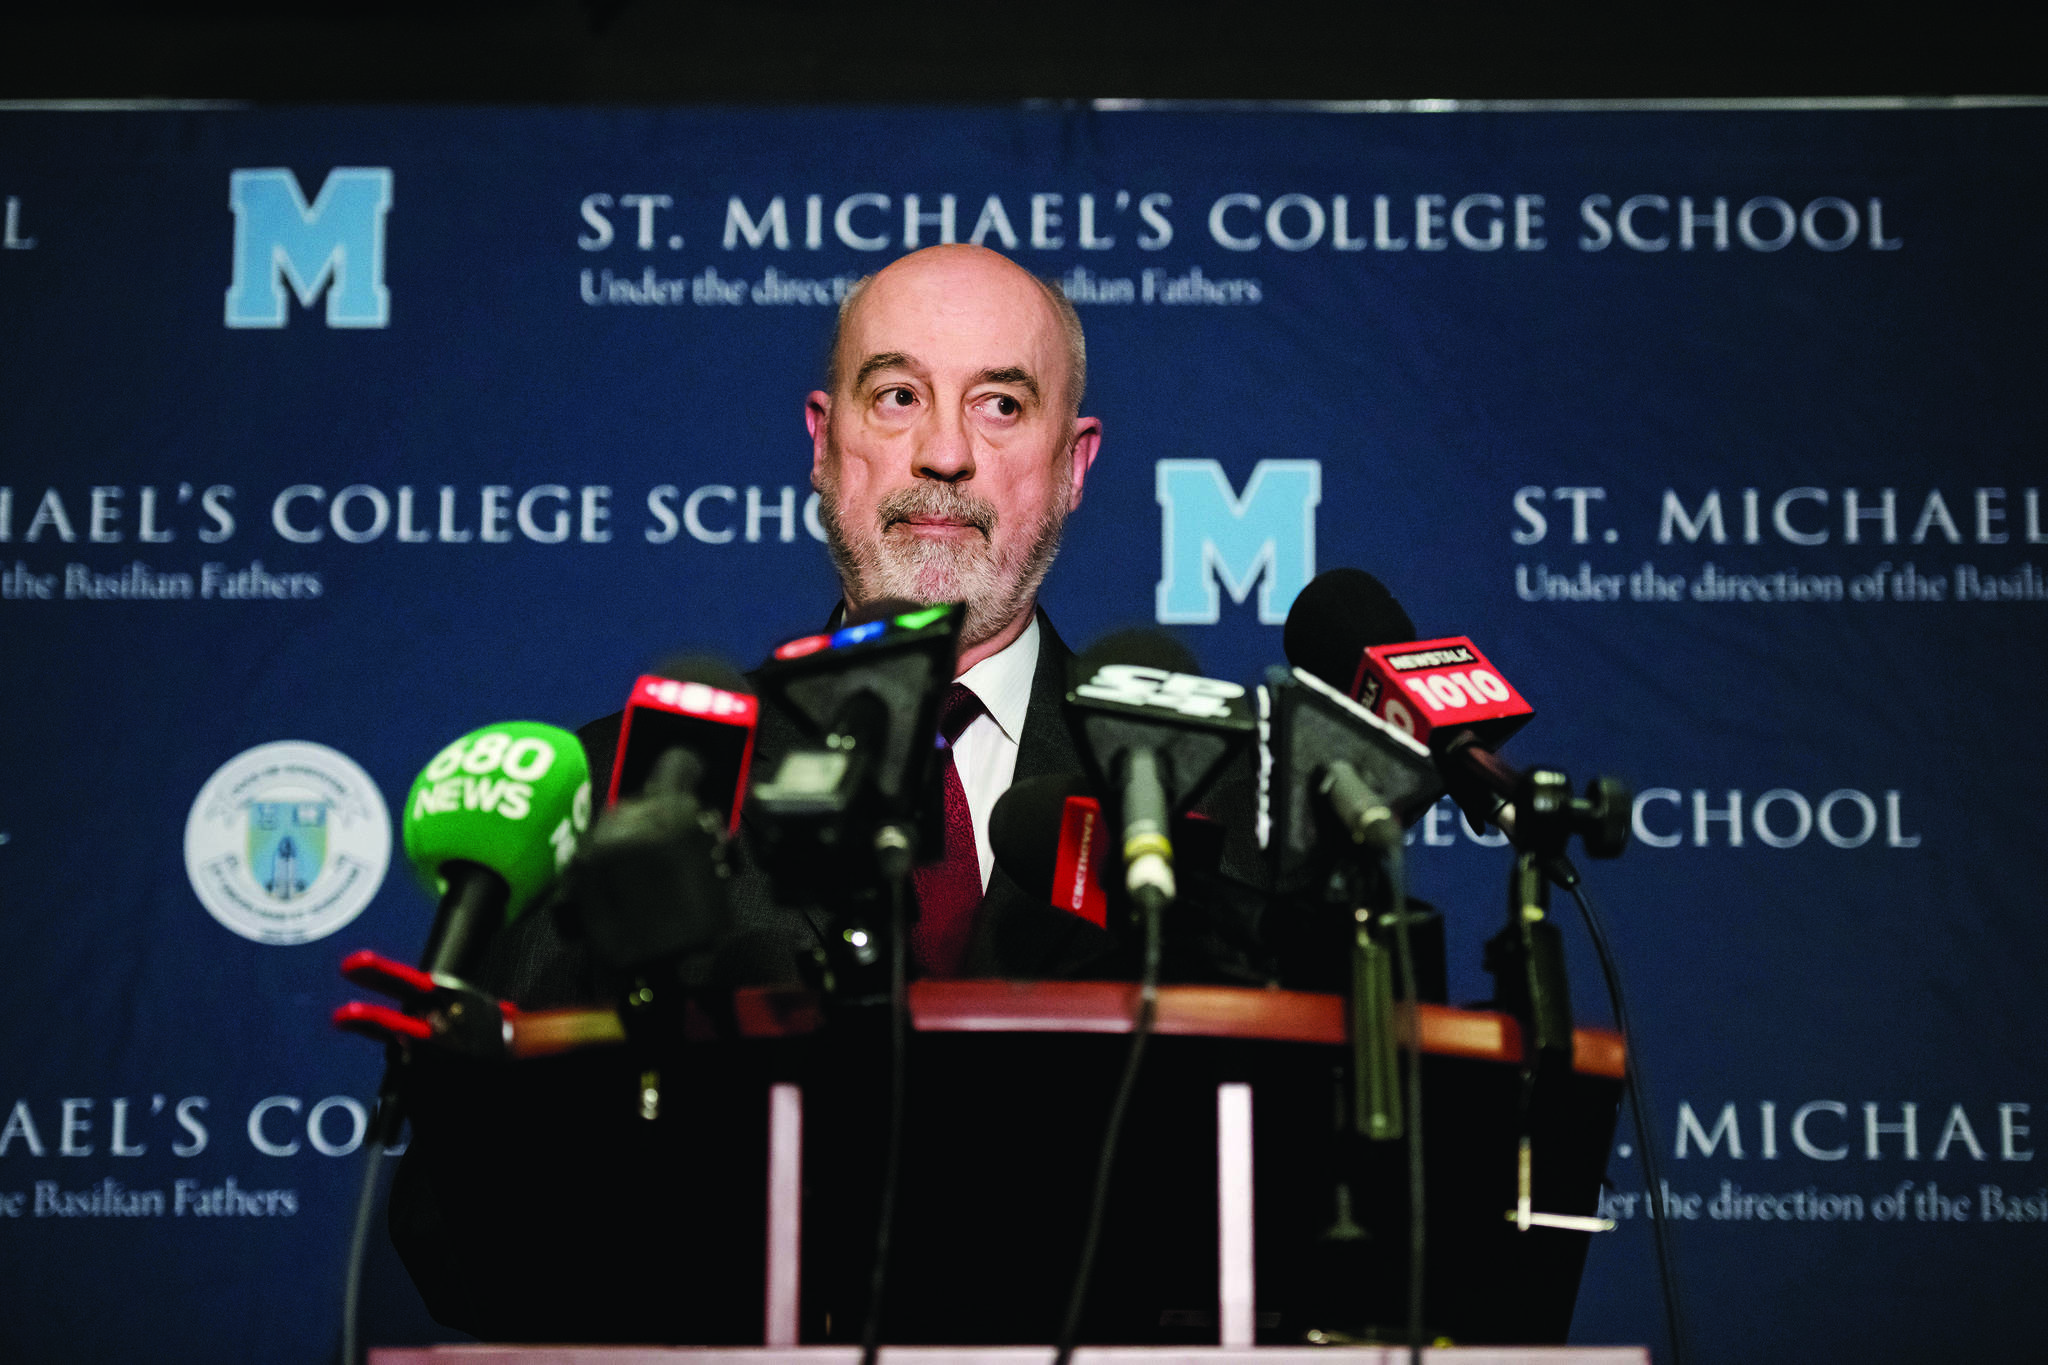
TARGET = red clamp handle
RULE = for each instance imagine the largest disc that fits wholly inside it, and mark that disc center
(380, 1023)
(375, 972)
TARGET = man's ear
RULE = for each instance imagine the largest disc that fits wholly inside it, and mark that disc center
(817, 419)
(1087, 443)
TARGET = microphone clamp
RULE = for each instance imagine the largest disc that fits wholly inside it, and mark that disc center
(1536, 809)
(438, 1011)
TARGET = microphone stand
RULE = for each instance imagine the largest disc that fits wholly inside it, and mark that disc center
(473, 907)
(1537, 811)
(1375, 1069)
(385, 1125)
(1526, 958)
(1379, 1111)
(893, 848)
(1150, 903)
(1418, 1223)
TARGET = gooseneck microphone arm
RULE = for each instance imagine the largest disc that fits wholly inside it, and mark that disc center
(1148, 850)
(1359, 810)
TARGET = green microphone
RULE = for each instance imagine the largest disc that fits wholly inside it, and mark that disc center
(489, 825)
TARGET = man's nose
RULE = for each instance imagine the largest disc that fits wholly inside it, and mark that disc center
(945, 453)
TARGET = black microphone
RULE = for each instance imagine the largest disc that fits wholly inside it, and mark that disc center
(869, 694)
(1335, 619)
(847, 812)
(843, 819)
(1330, 760)
(1337, 630)
(649, 882)
(1154, 734)
(649, 886)
(1332, 767)
(1044, 824)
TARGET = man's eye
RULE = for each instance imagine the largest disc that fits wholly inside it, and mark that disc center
(1008, 406)
(903, 398)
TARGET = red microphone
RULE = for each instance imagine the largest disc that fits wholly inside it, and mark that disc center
(1347, 629)
(1076, 867)
(1439, 688)
(716, 723)
(1049, 834)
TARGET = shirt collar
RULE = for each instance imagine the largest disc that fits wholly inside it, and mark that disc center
(1003, 681)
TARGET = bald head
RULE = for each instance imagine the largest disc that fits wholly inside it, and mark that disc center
(949, 448)
(963, 282)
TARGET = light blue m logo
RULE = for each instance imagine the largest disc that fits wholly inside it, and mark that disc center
(337, 244)
(1210, 533)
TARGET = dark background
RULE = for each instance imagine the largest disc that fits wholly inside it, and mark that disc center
(661, 51)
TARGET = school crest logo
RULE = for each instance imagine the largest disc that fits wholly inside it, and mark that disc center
(287, 842)
(287, 845)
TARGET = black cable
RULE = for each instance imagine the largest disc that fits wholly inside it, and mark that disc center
(892, 1161)
(358, 1248)
(1148, 1009)
(1667, 1280)
(383, 1132)
(1418, 1224)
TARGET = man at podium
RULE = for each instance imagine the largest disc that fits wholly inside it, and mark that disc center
(948, 449)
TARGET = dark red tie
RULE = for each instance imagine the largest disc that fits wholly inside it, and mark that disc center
(948, 890)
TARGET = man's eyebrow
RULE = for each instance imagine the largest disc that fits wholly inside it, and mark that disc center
(1010, 374)
(886, 360)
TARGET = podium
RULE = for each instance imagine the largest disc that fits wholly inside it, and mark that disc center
(1243, 1214)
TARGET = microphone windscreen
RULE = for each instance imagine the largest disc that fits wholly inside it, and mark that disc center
(1024, 829)
(1144, 648)
(1337, 617)
(511, 797)
(708, 669)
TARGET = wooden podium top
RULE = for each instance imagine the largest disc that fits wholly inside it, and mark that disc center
(1096, 1007)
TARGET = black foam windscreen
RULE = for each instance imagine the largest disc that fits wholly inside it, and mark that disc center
(1144, 648)
(1337, 617)
(1024, 828)
(708, 669)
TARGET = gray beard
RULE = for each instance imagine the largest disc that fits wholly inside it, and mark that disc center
(995, 586)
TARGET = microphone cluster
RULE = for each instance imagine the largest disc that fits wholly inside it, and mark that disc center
(1321, 768)
(1257, 830)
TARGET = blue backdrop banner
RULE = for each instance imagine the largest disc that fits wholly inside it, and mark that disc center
(329, 435)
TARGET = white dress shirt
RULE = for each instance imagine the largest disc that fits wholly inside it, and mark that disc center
(985, 755)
